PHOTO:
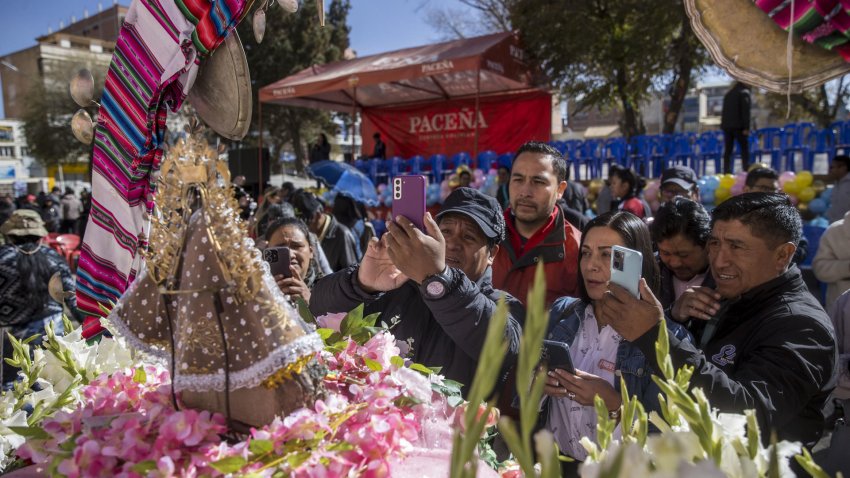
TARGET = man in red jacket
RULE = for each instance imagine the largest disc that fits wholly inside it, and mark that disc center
(536, 228)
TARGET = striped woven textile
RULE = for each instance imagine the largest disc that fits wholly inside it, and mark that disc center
(825, 23)
(156, 59)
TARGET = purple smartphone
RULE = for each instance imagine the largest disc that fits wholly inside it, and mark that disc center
(409, 198)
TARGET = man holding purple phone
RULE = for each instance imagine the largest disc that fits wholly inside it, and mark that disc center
(437, 282)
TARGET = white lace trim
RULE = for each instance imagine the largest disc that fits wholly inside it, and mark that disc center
(249, 377)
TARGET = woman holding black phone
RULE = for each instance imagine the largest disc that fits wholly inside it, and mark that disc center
(289, 238)
(599, 355)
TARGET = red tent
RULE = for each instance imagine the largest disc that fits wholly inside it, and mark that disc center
(461, 95)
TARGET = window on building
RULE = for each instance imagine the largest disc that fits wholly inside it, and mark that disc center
(7, 151)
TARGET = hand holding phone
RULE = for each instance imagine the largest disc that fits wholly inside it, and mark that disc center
(557, 355)
(626, 266)
(278, 259)
(409, 199)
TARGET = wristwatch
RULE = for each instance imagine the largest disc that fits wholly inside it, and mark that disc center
(435, 286)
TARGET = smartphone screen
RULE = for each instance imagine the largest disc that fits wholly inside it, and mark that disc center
(626, 266)
(409, 198)
(278, 259)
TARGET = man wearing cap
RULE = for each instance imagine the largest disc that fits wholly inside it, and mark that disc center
(437, 283)
(537, 229)
(679, 181)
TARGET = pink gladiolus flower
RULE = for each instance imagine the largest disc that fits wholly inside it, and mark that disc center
(330, 321)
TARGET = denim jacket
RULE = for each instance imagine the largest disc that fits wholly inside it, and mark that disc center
(565, 319)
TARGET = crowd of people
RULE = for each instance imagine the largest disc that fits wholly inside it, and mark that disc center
(725, 284)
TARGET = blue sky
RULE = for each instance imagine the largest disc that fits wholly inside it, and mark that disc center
(376, 25)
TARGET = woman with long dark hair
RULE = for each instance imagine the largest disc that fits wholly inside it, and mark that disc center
(26, 267)
(599, 354)
(304, 268)
(625, 188)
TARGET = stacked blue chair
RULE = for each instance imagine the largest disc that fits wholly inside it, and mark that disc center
(639, 154)
(841, 132)
(793, 142)
(766, 141)
(616, 152)
(362, 165)
(398, 166)
(660, 149)
(682, 152)
(709, 148)
(436, 165)
(821, 142)
(378, 171)
(415, 164)
(486, 160)
(505, 160)
(589, 155)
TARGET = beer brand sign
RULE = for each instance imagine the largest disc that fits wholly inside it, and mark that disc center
(502, 124)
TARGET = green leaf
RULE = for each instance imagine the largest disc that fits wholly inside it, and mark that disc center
(35, 433)
(325, 334)
(420, 368)
(304, 310)
(373, 365)
(340, 446)
(143, 467)
(261, 447)
(297, 458)
(140, 376)
(353, 321)
(397, 361)
(231, 464)
(454, 401)
(405, 401)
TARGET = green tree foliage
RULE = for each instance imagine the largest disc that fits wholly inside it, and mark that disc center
(47, 117)
(292, 43)
(821, 104)
(612, 53)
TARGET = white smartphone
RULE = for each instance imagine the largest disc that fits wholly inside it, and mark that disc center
(626, 267)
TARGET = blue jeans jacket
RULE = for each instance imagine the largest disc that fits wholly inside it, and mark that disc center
(565, 319)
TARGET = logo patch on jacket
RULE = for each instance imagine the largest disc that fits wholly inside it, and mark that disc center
(726, 356)
(606, 365)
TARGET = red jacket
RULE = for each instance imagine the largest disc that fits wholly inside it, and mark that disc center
(558, 248)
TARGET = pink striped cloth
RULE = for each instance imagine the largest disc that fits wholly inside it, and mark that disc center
(154, 65)
(825, 23)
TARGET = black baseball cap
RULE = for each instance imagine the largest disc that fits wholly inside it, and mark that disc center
(679, 175)
(479, 207)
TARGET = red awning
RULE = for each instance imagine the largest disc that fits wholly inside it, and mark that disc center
(442, 71)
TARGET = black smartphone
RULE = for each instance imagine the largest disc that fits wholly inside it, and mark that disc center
(557, 355)
(278, 259)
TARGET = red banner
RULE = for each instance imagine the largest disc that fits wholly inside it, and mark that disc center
(504, 123)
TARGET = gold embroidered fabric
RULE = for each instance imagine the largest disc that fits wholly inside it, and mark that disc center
(206, 290)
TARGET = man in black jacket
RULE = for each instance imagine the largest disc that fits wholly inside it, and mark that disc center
(337, 241)
(438, 283)
(770, 347)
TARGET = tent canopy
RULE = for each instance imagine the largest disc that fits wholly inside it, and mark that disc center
(485, 65)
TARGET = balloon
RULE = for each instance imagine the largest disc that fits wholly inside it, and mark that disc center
(806, 195)
(478, 174)
(712, 183)
(741, 179)
(388, 202)
(791, 187)
(805, 178)
(757, 166)
(817, 206)
(794, 199)
(381, 188)
(493, 172)
(802, 207)
(826, 195)
(595, 186)
(785, 177)
(737, 189)
(818, 221)
(819, 186)
(721, 194)
(707, 197)
(727, 181)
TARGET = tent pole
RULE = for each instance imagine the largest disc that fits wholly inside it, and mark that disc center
(353, 123)
(260, 148)
(477, 111)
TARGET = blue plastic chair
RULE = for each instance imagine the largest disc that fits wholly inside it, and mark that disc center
(793, 142)
(362, 166)
(436, 167)
(766, 141)
(841, 133)
(486, 160)
(590, 155)
(639, 153)
(813, 235)
(415, 164)
(506, 160)
(615, 152)
(709, 147)
(378, 170)
(398, 166)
